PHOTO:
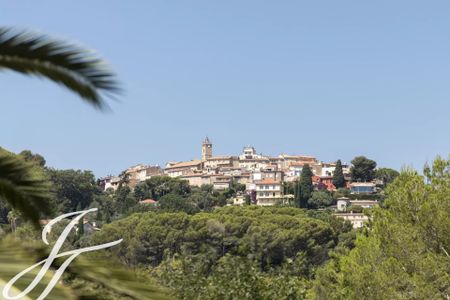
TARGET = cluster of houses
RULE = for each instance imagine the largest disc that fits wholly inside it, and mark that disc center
(264, 176)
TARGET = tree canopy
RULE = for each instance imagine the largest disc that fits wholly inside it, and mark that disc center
(363, 169)
(405, 254)
(250, 248)
(386, 175)
(305, 187)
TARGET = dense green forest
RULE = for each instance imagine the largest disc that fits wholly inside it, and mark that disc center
(233, 252)
(191, 246)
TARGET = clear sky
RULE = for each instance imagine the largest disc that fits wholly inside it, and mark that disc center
(334, 79)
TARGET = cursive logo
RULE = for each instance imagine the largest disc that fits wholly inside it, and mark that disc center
(53, 255)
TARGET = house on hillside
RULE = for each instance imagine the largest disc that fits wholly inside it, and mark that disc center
(362, 188)
(357, 219)
(268, 192)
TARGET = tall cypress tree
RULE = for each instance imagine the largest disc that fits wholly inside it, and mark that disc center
(338, 176)
(305, 186)
(297, 194)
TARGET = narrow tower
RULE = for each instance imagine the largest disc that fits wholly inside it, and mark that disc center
(206, 149)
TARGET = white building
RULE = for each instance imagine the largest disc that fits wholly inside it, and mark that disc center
(357, 219)
(343, 203)
(268, 192)
(183, 168)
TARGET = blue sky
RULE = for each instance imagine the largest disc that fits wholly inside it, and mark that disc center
(334, 79)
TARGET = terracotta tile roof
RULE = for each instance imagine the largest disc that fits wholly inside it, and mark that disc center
(183, 164)
(267, 181)
(148, 201)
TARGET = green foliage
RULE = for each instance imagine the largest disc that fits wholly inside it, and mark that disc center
(305, 187)
(237, 187)
(174, 203)
(355, 208)
(4, 210)
(231, 278)
(33, 157)
(405, 254)
(176, 195)
(320, 199)
(338, 175)
(248, 200)
(158, 186)
(386, 175)
(90, 276)
(341, 192)
(201, 256)
(16, 256)
(69, 65)
(23, 186)
(363, 169)
(124, 200)
(203, 200)
(73, 189)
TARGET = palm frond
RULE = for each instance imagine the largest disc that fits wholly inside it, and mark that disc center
(110, 275)
(14, 258)
(23, 186)
(77, 69)
(93, 277)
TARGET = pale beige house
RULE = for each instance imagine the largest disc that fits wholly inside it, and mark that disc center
(239, 200)
(284, 160)
(250, 160)
(268, 192)
(269, 172)
(110, 182)
(344, 203)
(195, 179)
(362, 187)
(183, 168)
(218, 162)
(141, 173)
(221, 182)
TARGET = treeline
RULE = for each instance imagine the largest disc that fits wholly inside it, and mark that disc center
(404, 253)
(74, 190)
(201, 251)
(231, 253)
(289, 253)
(363, 169)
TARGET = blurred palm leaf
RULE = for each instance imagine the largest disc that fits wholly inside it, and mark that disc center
(107, 274)
(14, 258)
(90, 277)
(75, 68)
(23, 186)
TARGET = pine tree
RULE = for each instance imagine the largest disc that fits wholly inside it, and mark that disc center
(338, 176)
(305, 186)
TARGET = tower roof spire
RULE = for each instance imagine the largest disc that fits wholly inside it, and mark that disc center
(206, 141)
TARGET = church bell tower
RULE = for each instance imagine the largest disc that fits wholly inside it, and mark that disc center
(206, 149)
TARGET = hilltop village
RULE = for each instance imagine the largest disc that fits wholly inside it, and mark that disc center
(265, 178)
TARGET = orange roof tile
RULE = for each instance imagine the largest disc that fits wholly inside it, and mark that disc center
(268, 181)
(185, 164)
(148, 201)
